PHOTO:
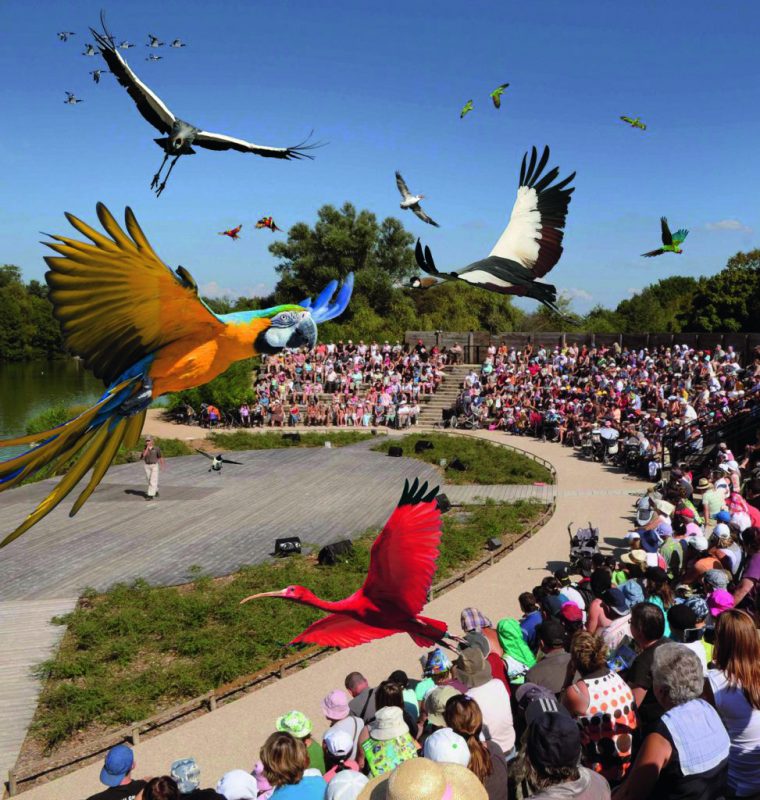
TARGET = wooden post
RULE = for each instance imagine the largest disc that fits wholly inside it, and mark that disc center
(211, 701)
(470, 345)
(135, 735)
(12, 788)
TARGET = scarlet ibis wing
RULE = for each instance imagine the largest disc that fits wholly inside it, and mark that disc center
(340, 630)
(402, 559)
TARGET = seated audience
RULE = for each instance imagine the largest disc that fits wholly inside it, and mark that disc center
(285, 763)
(117, 775)
(551, 669)
(187, 775)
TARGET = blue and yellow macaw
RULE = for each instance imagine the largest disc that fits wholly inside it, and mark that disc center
(144, 331)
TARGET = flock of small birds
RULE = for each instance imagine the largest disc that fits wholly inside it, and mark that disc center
(91, 51)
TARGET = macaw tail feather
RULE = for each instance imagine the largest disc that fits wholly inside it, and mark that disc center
(93, 438)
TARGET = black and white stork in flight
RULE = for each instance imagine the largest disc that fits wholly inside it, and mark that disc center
(216, 460)
(530, 245)
(179, 136)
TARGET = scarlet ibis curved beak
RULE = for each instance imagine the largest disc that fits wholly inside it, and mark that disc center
(281, 593)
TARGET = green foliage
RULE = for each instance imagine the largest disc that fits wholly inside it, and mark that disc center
(52, 417)
(137, 648)
(27, 326)
(486, 463)
(658, 307)
(244, 440)
(228, 390)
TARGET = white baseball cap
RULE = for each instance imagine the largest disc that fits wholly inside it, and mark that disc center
(339, 743)
(444, 745)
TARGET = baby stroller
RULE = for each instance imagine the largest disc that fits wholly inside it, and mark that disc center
(583, 543)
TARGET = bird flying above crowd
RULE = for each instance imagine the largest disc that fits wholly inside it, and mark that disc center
(96, 73)
(671, 242)
(144, 331)
(634, 123)
(154, 42)
(89, 50)
(412, 201)
(71, 99)
(529, 247)
(179, 136)
(268, 222)
(216, 460)
(466, 108)
(64, 35)
(402, 564)
(233, 233)
(497, 93)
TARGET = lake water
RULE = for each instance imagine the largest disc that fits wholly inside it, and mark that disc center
(28, 387)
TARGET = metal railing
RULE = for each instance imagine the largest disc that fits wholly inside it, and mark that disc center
(210, 700)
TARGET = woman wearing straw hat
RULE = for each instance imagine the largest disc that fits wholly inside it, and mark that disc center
(423, 779)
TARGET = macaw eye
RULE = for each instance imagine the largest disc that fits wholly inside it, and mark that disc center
(284, 319)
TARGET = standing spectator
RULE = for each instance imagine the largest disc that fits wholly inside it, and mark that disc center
(151, 457)
(473, 670)
(245, 415)
(117, 775)
(648, 630)
(285, 760)
(463, 715)
(734, 689)
(603, 705)
(686, 755)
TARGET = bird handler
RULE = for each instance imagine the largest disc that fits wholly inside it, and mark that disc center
(151, 457)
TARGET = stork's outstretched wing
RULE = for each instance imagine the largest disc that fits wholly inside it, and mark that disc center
(667, 236)
(403, 558)
(533, 237)
(220, 141)
(149, 104)
(402, 187)
(204, 454)
(322, 309)
(425, 262)
(117, 290)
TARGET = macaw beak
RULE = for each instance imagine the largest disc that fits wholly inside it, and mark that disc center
(305, 333)
(281, 593)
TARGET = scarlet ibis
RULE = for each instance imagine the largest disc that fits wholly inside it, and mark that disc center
(401, 568)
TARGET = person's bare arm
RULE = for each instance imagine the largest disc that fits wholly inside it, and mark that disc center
(639, 693)
(653, 757)
(742, 590)
(363, 736)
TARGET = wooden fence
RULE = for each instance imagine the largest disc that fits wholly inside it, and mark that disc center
(475, 343)
(277, 670)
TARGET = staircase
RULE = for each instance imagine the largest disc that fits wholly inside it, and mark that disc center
(445, 397)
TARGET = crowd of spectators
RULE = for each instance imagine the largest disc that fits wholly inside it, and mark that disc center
(625, 678)
(667, 397)
(345, 384)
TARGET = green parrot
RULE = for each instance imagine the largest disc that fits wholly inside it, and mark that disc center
(671, 242)
(635, 123)
(466, 108)
(497, 93)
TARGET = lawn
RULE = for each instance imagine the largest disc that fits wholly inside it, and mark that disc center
(136, 649)
(269, 440)
(486, 463)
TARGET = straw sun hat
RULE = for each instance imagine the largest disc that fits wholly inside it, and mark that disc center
(423, 779)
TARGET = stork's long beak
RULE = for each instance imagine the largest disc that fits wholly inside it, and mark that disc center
(281, 593)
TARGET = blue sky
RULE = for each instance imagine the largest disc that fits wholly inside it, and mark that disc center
(383, 84)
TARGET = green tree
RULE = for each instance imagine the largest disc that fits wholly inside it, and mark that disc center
(657, 307)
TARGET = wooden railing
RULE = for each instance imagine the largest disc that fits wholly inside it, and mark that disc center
(277, 670)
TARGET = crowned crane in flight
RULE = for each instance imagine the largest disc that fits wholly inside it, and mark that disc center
(530, 245)
(154, 41)
(217, 460)
(89, 50)
(180, 136)
(71, 100)
(412, 201)
(64, 35)
(125, 45)
(671, 242)
(153, 57)
(178, 43)
(96, 73)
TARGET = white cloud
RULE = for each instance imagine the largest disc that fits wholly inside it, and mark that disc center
(574, 293)
(213, 289)
(734, 225)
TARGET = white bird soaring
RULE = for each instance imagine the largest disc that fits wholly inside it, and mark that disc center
(71, 99)
(64, 35)
(412, 201)
(531, 243)
(178, 136)
(89, 50)
(177, 43)
(154, 41)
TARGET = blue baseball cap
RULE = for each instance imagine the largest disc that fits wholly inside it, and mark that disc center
(119, 761)
(722, 516)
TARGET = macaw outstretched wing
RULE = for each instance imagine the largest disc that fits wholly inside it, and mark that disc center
(117, 302)
(680, 235)
(322, 309)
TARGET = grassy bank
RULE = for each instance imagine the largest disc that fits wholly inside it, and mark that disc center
(486, 463)
(269, 440)
(136, 649)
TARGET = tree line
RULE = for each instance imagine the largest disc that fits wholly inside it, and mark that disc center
(381, 254)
